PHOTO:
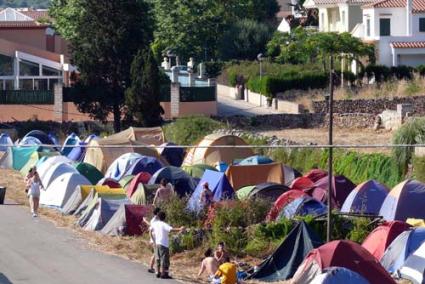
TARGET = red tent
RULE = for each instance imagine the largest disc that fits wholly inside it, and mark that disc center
(109, 182)
(127, 220)
(282, 201)
(346, 254)
(380, 238)
(142, 177)
(301, 183)
(316, 174)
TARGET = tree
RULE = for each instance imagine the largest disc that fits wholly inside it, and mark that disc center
(143, 97)
(105, 36)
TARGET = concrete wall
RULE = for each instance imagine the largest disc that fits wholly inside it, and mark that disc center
(32, 37)
(289, 107)
(191, 108)
(223, 90)
(255, 98)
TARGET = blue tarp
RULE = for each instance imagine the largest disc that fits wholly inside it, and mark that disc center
(303, 206)
(217, 183)
(183, 183)
(255, 160)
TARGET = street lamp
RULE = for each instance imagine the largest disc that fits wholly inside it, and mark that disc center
(260, 58)
(330, 160)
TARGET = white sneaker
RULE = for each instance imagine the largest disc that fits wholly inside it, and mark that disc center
(34, 215)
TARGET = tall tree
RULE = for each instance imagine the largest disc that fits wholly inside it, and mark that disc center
(143, 97)
(105, 35)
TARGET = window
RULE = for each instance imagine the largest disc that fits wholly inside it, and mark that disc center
(385, 27)
(422, 25)
(47, 71)
(367, 27)
(27, 68)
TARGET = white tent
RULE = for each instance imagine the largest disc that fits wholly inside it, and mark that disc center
(45, 166)
(414, 267)
(56, 171)
(120, 166)
(59, 191)
(337, 275)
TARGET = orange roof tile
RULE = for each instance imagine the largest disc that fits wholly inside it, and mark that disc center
(418, 5)
(412, 44)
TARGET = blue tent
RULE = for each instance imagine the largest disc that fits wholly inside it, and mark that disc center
(366, 198)
(173, 155)
(401, 248)
(217, 183)
(71, 140)
(40, 136)
(283, 263)
(255, 160)
(5, 140)
(183, 183)
(302, 206)
(145, 164)
(21, 156)
(338, 275)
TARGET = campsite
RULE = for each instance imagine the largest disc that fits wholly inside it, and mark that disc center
(270, 215)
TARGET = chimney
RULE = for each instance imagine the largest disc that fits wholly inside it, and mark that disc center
(409, 15)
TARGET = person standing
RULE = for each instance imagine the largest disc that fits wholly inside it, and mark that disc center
(163, 194)
(207, 196)
(34, 185)
(152, 237)
(161, 234)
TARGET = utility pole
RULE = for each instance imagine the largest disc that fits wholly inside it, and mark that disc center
(330, 160)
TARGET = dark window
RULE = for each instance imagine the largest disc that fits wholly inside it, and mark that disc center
(368, 27)
(385, 27)
(422, 24)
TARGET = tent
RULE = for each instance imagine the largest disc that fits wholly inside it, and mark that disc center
(101, 157)
(138, 179)
(174, 155)
(218, 184)
(303, 206)
(416, 222)
(120, 166)
(205, 154)
(316, 174)
(34, 160)
(90, 200)
(42, 137)
(405, 200)
(197, 171)
(56, 171)
(283, 263)
(400, 249)
(9, 130)
(21, 156)
(338, 275)
(61, 189)
(82, 191)
(144, 194)
(78, 153)
(345, 254)
(44, 167)
(255, 160)
(269, 190)
(109, 182)
(5, 141)
(366, 198)
(282, 201)
(414, 267)
(102, 213)
(127, 220)
(90, 172)
(145, 164)
(147, 136)
(240, 176)
(379, 239)
(341, 187)
(301, 183)
(125, 181)
(182, 182)
(71, 140)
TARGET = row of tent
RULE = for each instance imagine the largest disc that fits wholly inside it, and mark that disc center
(393, 249)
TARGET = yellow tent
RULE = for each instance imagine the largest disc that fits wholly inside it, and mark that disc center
(102, 157)
(147, 136)
(211, 156)
(102, 189)
(416, 222)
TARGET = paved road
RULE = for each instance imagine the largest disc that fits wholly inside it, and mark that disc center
(35, 251)
(229, 107)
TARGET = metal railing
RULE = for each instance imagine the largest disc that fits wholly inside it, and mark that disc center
(19, 97)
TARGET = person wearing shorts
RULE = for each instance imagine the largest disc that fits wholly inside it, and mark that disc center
(152, 237)
(33, 190)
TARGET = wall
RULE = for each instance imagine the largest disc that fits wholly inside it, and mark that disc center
(191, 108)
(255, 98)
(32, 37)
(415, 24)
(372, 106)
(223, 90)
(289, 107)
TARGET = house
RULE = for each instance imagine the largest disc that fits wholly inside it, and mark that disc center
(397, 28)
(32, 55)
(338, 15)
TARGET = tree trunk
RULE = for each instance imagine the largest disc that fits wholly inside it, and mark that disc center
(117, 118)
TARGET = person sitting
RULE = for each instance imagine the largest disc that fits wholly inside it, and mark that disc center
(207, 197)
(163, 194)
(227, 272)
(220, 254)
(209, 265)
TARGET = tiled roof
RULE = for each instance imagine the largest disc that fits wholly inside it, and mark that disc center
(418, 5)
(331, 2)
(21, 24)
(36, 14)
(413, 44)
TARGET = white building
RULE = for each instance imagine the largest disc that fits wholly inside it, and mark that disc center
(397, 28)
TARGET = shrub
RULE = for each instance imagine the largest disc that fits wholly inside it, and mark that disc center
(413, 88)
(402, 72)
(187, 241)
(178, 215)
(213, 68)
(187, 131)
(381, 72)
(419, 168)
(421, 70)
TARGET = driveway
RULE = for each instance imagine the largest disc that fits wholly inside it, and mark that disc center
(229, 107)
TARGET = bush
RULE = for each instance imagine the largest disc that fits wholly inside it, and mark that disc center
(421, 70)
(178, 215)
(213, 69)
(189, 130)
(419, 168)
(402, 72)
(381, 73)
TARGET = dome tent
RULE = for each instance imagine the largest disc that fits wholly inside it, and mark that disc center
(141, 178)
(119, 167)
(103, 212)
(35, 159)
(127, 220)
(5, 141)
(302, 206)
(90, 172)
(125, 181)
(282, 201)
(56, 171)
(174, 155)
(182, 182)
(268, 190)
(255, 160)
(45, 166)
(338, 275)
(197, 171)
(145, 164)
(414, 267)
(316, 174)
(71, 140)
(301, 183)
(144, 194)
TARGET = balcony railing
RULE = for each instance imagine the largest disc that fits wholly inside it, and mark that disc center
(26, 97)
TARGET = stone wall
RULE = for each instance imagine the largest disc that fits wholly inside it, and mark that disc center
(375, 107)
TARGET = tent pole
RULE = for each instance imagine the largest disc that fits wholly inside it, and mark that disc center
(330, 161)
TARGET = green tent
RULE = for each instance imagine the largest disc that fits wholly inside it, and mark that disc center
(33, 160)
(125, 181)
(144, 194)
(197, 171)
(21, 156)
(244, 192)
(90, 172)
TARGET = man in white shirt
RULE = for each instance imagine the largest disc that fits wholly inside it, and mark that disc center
(161, 233)
(149, 224)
